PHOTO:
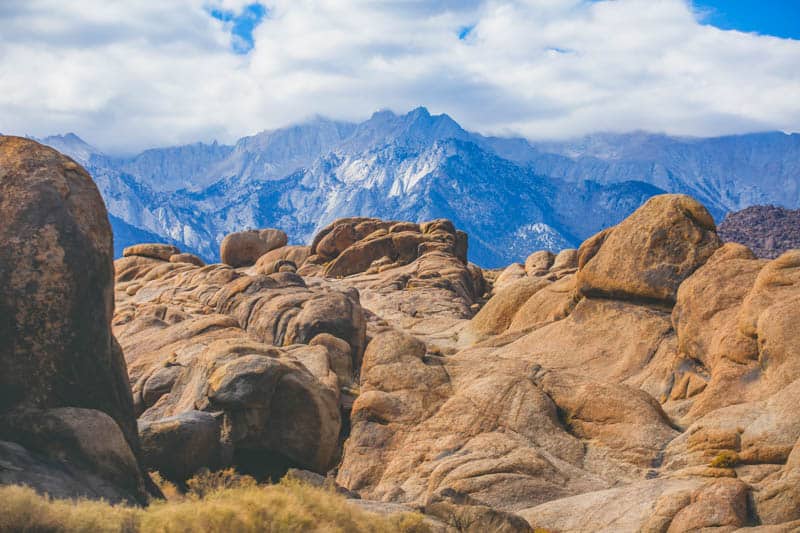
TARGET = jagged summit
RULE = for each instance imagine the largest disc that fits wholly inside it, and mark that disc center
(71, 144)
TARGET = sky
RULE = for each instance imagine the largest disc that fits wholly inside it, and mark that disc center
(127, 75)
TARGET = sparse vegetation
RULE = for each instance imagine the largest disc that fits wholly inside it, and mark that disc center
(220, 501)
(725, 459)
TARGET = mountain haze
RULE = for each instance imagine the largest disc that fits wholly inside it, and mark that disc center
(511, 195)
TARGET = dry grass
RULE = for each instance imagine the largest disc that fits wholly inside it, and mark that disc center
(215, 503)
(725, 459)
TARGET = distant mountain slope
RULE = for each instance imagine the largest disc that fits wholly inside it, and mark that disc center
(725, 173)
(511, 195)
(125, 235)
(766, 229)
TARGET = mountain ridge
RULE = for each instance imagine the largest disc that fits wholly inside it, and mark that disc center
(416, 165)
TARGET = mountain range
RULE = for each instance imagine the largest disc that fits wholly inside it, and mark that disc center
(511, 195)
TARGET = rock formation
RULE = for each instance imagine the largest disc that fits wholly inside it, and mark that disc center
(67, 424)
(652, 396)
(641, 382)
(255, 364)
(245, 247)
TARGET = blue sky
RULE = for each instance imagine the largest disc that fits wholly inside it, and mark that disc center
(780, 18)
(130, 75)
(241, 24)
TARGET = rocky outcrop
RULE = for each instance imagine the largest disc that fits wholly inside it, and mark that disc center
(153, 250)
(647, 396)
(266, 356)
(270, 356)
(294, 254)
(67, 425)
(650, 253)
(245, 247)
(767, 230)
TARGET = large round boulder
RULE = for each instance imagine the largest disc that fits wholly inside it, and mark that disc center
(243, 248)
(56, 290)
(649, 254)
(180, 445)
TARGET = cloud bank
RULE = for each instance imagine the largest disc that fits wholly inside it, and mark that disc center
(129, 75)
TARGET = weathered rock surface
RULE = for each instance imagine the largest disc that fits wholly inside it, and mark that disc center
(154, 250)
(186, 258)
(266, 355)
(66, 413)
(650, 396)
(644, 382)
(245, 247)
(295, 254)
(650, 253)
(195, 433)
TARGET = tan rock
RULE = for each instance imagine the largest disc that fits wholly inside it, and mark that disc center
(179, 446)
(222, 341)
(708, 304)
(68, 452)
(651, 252)
(539, 263)
(271, 267)
(722, 503)
(565, 260)
(643, 506)
(56, 289)
(187, 258)
(496, 316)
(551, 303)
(162, 252)
(295, 254)
(509, 275)
(245, 247)
(779, 279)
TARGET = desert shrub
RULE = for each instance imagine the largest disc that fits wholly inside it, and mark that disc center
(725, 459)
(206, 482)
(289, 506)
(170, 491)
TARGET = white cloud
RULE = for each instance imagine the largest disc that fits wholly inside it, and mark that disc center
(126, 75)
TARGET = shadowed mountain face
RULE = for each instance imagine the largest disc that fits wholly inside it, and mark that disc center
(510, 195)
(766, 229)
